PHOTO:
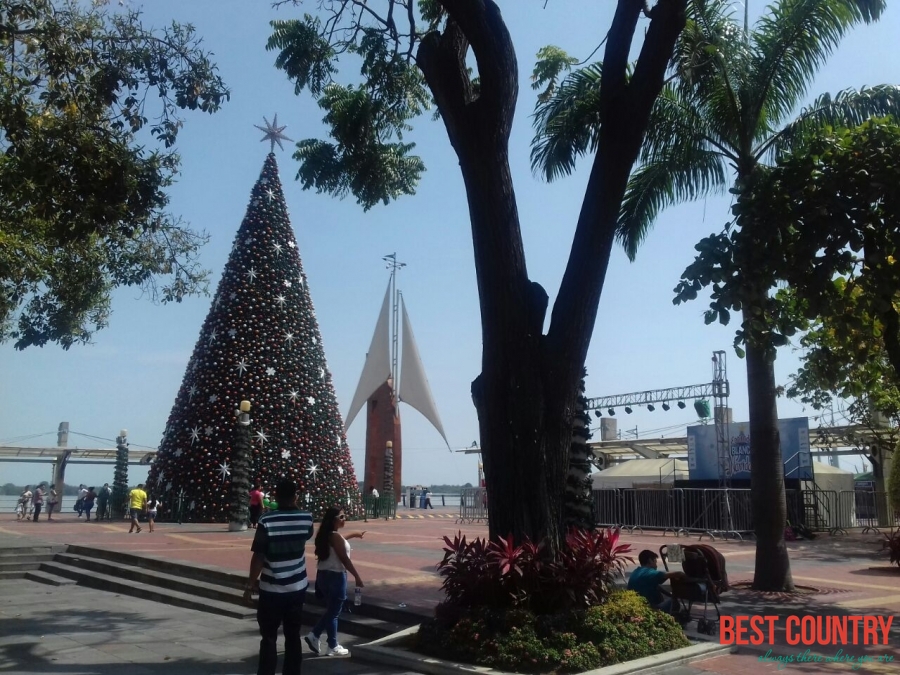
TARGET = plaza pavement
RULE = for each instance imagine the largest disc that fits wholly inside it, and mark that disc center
(88, 631)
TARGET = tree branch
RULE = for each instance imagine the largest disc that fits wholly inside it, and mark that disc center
(483, 26)
(649, 74)
(625, 112)
(618, 46)
(442, 59)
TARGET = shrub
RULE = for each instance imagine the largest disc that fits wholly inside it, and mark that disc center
(503, 574)
(625, 627)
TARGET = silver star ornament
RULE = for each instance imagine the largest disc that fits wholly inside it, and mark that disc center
(273, 133)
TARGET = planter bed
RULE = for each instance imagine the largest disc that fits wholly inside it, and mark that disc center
(393, 650)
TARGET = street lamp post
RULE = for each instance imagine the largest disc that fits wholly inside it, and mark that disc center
(240, 471)
(120, 476)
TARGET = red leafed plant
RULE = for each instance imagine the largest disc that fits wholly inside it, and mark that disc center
(505, 574)
(589, 563)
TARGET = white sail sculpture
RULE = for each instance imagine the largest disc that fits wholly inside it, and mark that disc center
(413, 388)
(377, 369)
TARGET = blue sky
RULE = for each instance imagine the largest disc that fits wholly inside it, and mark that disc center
(129, 377)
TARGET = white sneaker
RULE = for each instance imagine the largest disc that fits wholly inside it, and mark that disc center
(313, 642)
(338, 651)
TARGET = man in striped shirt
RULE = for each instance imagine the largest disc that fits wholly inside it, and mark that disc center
(278, 570)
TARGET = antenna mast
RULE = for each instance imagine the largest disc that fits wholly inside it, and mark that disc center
(393, 266)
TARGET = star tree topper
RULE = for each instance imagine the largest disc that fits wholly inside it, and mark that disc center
(273, 133)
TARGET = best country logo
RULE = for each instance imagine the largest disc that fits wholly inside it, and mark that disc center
(806, 630)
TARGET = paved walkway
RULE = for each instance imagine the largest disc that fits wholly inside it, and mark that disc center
(72, 630)
(847, 574)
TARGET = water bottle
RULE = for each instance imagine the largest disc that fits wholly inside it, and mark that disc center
(357, 597)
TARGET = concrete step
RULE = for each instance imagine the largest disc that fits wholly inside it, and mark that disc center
(196, 572)
(23, 565)
(15, 574)
(49, 579)
(152, 577)
(114, 584)
(203, 596)
(19, 551)
(221, 579)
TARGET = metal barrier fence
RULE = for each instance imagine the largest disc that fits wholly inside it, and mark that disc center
(728, 512)
(384, 506)
(473, 506)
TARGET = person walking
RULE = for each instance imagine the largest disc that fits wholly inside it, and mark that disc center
(375, 496)
(79, 503)
(152, 511)
(37, 501)
(24, 503)
(428, 499)
(137, 501)
(103, 503)
(278, 572)
(333, 556)
(256, 505)
(52, 501)
(88, 504)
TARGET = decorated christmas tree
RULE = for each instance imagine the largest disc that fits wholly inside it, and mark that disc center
(260, 342)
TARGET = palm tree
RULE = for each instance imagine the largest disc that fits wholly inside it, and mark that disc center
(721, 117)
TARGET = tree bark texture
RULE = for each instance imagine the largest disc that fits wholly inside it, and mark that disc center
(769, 504)
(525, 394)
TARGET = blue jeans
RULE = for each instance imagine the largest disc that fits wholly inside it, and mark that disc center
(333, 586)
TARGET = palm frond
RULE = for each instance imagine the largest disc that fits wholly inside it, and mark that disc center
(567, 124)
(847, 108)
(711, 61)
(688, 172)
(679, 121)
(791, 42)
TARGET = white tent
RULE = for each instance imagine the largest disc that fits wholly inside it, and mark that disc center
(641, 473)
(829, 477)
(835, 498)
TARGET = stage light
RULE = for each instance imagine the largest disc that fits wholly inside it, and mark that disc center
(597, 413)
(651, 407)
(628, 409)
(612, 412)
(666, 406)
(681, 405)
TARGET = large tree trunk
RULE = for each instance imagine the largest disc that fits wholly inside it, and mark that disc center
(769, 505)
(526, 391)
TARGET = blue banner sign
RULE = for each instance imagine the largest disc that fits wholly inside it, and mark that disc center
(704, 462)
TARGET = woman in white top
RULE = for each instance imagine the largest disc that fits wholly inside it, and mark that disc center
(333, 556)
(153, 506)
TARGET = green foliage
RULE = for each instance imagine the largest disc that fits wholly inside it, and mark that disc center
(83, 207)
(832, 209)
(626, 628)
(367, 121)
(737, 264)
(568, 123)
(623, 628)
(551, 61)
(721, 111)
(894, 489)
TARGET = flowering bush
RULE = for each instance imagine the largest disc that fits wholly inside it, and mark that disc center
(502, 574)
